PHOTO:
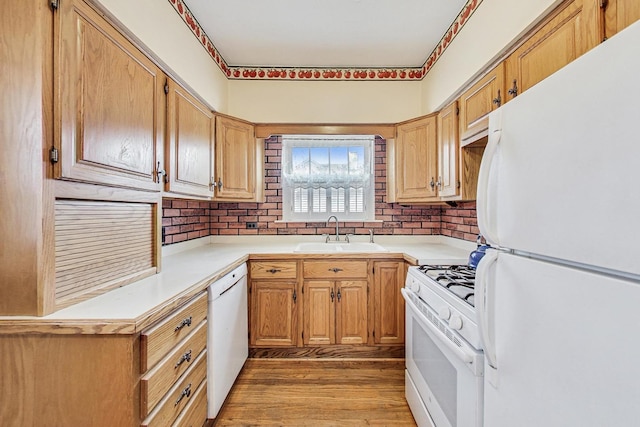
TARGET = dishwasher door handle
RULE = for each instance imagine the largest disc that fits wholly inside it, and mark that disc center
(229, 288)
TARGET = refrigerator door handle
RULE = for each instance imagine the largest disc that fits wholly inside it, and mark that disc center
(485, 305)
(486, 206)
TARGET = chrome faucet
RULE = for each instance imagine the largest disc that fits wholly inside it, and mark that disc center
(337, 228)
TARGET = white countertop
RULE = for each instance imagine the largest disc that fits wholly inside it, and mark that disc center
(189, 267)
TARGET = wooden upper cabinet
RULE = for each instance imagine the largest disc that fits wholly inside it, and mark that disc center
(478, 101)
(190, 135)
(238, 161)
(412, 162)
(448, 152)
(567, 34)
(109, 103)
(619, 14)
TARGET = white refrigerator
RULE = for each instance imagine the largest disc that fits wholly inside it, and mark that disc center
(558, 296)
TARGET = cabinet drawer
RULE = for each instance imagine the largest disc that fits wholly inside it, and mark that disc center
(180, 394)
(337, 269)
(195, 413)
(158, 340)
(155, 383)
(273, 270)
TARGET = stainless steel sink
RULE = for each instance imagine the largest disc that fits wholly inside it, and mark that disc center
(335, 247)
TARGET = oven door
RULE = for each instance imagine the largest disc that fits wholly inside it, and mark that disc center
(445, 370)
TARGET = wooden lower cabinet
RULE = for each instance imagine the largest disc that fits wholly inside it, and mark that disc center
(388, 317)
(335, 312)
(333, 302)
(101, 379)
(273, 313)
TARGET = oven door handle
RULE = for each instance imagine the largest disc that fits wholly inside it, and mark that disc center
(459, 352)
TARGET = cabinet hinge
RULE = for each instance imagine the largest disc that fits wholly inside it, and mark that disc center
(166, 88)
(54, 4)
(54, 156)
(303, 335)
(457, 111)
(374, 333)
(604, 4)
(458, 184)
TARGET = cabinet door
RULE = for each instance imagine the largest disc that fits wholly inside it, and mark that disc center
(414, 172)
(388, 303)
(351, 312)
(619, 14)
(235, 167)
(273, 313)
(566, 36)
(448, 152)
(319, 312)
(109, 103)
(478, 101)
(190, 131)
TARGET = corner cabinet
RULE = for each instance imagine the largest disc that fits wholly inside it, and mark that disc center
(388, 303)
(238, 161)
(190, 143)
(412, 162)
(109, 104)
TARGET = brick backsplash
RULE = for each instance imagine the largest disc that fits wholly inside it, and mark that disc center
(186, 220)
(460, 221)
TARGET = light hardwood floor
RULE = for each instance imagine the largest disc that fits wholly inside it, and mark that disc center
(286, 392)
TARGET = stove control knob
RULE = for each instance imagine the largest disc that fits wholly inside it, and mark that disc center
(415, 286)
(444, 313)
(455, 322)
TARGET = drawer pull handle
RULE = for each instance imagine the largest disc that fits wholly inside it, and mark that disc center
(186, 392)
(185, 322)
(274, 271)
(335, 269)
(184, 358)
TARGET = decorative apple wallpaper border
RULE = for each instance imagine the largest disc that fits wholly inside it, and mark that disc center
(306, 73)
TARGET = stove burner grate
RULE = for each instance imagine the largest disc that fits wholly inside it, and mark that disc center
(458, 279)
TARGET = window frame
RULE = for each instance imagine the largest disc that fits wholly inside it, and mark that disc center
(314, 184)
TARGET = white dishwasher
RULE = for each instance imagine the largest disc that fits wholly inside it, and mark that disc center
(228, 343)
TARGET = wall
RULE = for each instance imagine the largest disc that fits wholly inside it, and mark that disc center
(324, 101)
(182, 221)
(492, 27)
(160, 28)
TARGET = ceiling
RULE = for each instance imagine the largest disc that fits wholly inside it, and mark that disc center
(331, 34)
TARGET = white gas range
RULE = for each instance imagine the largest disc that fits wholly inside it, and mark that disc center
(444, 360)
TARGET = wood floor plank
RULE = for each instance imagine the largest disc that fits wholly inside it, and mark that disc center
(314, 392)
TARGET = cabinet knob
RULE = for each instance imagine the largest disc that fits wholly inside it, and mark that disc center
(185, 322)
(185, 393)
(432, 184)
(273, 271)
(514, 89)
(184, 358)
(335, 269)
(497, 101)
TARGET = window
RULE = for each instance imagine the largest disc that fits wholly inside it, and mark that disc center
(327, 175)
